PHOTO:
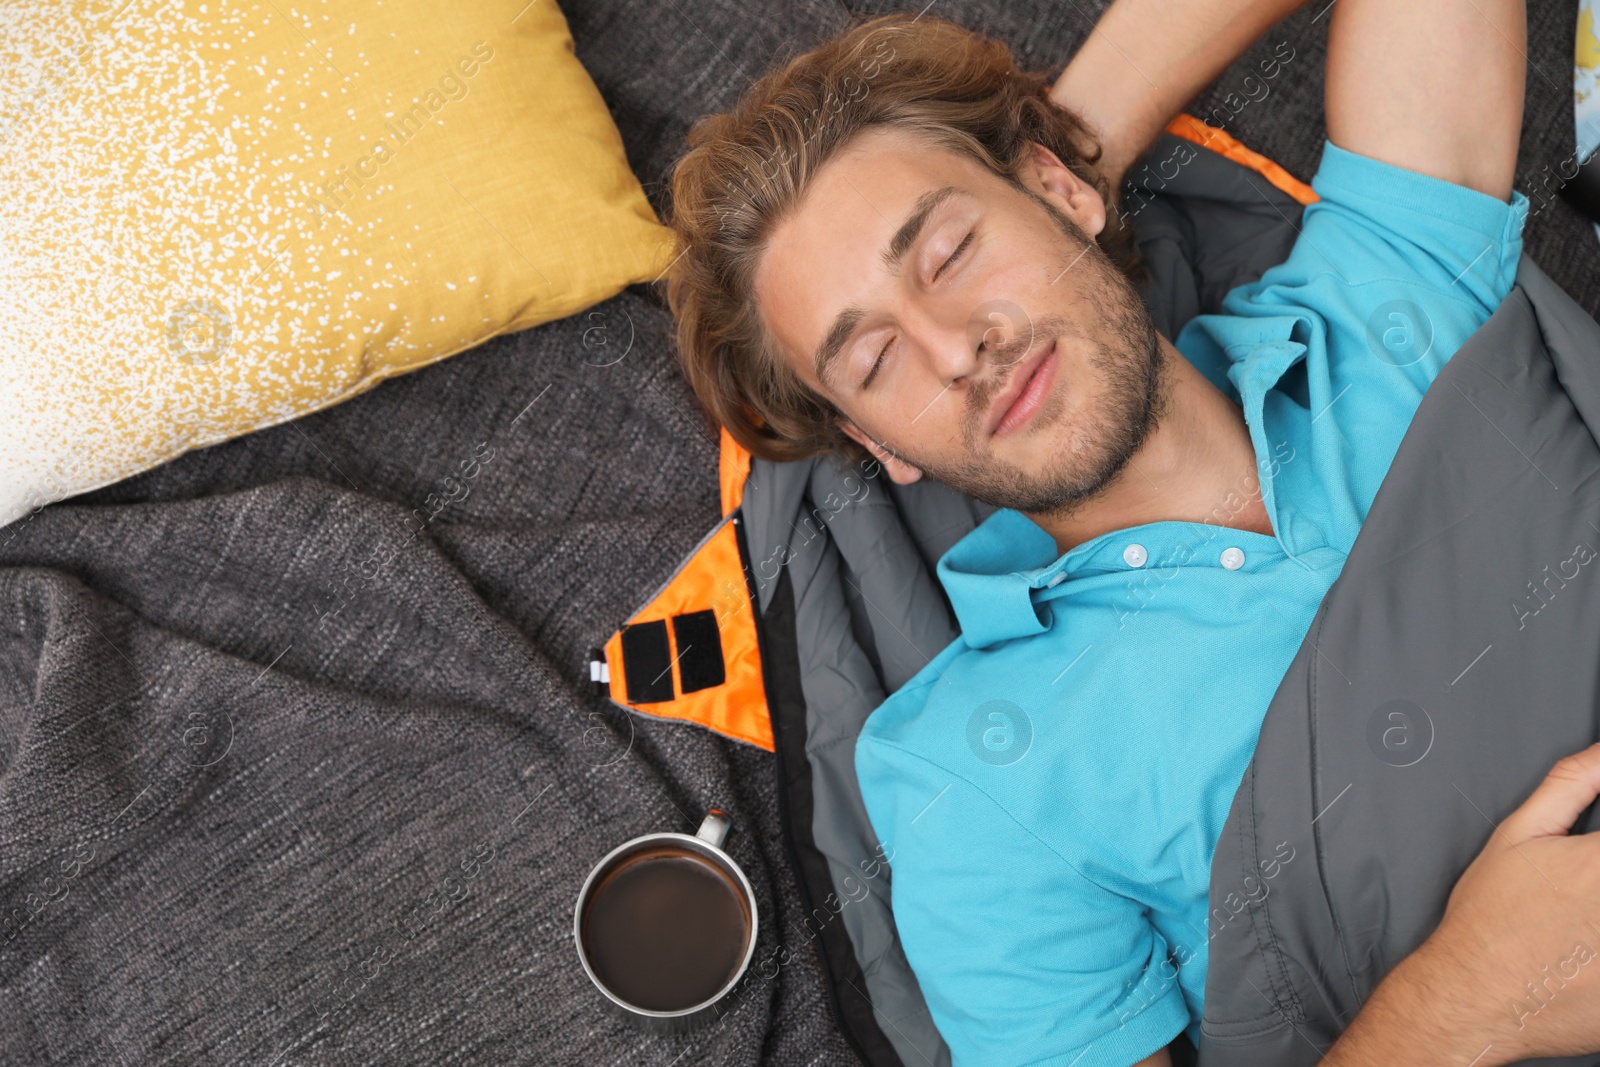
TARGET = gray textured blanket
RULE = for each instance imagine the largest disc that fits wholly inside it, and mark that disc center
(298, 760)
(298, 770)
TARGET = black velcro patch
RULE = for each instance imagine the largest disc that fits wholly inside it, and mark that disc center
(700, 663)
(647, 662)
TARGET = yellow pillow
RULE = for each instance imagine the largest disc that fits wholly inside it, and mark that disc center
(216, 217)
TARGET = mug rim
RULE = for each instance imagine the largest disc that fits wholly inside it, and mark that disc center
(695, 844)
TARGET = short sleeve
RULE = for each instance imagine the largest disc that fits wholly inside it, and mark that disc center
(1416, 227)
(1408, 265)
(1022, 960)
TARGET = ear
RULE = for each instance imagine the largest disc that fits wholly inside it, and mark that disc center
(901, 472)
(1046, 175)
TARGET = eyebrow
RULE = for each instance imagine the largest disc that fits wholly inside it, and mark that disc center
(906, 236)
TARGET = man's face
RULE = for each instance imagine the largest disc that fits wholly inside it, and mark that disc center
(1028, 298)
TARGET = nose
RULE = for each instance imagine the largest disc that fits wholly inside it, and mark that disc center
(1004, 330)
(959, 340)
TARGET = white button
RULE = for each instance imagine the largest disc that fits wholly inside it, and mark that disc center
(1232, 558)
(1056, 580)
(1135, 555)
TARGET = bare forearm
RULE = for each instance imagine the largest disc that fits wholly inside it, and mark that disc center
(1417, 1017)
(1146, 59)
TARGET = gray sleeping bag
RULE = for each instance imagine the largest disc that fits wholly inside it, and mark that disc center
(1455, 659)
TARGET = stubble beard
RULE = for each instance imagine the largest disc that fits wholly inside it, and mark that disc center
(1094, 451)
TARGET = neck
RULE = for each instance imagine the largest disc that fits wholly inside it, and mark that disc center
(1196, 465)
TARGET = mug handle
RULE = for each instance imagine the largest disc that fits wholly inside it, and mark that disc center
(715, 827)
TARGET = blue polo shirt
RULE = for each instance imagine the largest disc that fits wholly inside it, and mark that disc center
(1051, 786)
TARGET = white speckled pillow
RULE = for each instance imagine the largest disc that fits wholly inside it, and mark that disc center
(216, 217)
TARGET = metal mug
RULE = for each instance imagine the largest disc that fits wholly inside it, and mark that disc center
(706, 845)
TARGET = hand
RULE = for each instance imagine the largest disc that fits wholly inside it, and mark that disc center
(1527, 911)
(1513, 969)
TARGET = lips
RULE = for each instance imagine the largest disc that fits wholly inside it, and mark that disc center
(1023, 389)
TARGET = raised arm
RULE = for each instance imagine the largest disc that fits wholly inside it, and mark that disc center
(1434, 86)
(1145, 59)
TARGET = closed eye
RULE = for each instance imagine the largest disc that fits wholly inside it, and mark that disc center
(960, 249)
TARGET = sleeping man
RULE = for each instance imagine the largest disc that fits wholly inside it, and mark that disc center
(901, 246)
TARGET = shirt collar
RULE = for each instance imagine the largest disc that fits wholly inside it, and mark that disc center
(991, 573)
(1001, 575)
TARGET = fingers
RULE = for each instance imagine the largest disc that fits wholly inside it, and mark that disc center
(1552, 808)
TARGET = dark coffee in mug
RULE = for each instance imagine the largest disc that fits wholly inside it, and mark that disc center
(666, 928)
